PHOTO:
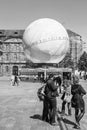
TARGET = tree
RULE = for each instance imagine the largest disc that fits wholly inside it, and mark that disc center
(67, 61)
(82, 63)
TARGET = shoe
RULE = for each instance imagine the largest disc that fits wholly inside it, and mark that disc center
(77, 125)
(62, 114)
(55, 124)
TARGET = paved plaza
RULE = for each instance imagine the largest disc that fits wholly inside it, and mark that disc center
(20, 108)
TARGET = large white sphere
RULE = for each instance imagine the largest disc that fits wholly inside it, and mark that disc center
(45, 41)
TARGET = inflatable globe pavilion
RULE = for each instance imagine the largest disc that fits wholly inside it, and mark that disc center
(45, 41)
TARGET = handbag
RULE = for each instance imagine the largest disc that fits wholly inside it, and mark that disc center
(67, 97)
(40, 93)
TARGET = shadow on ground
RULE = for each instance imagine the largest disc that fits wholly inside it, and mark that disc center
(36, 116)
(68, 121)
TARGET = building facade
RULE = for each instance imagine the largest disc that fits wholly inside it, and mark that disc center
(11, 49)
(76, 46)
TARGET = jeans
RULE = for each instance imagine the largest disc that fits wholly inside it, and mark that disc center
(52, 107)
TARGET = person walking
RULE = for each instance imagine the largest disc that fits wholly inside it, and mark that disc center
(12, 80)
(77, 100)
(16, 80)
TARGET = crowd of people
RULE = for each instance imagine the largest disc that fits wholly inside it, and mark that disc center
(72, 96)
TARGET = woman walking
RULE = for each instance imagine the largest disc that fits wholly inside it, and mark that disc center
(77, 100)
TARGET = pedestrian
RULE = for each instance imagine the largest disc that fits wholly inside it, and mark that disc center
(50, 102)
(12, 80)
(35, 78)
(45, 114)
(77, 100)
(59, 81)
(66, 97)
(16, 80)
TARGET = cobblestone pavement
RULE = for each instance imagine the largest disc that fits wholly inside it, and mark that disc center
(20, 109)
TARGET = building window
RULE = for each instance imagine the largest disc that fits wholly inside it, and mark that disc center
(0, 46)
(0, 32)
(13, 47)
(15, 56)
(21, 48)
(7, 68)
(22, 58)
(15, 32)
(7, 47)
(17, 48)
(7, 57)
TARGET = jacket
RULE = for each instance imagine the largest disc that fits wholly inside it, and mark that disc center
(78, 91)
(51, 89)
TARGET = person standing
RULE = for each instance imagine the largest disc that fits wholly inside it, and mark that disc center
(59, 81)
(77, 100)
(45, 114)
(50, 102)
(66, 97)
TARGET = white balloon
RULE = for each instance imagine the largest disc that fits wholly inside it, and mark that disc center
(45, 41)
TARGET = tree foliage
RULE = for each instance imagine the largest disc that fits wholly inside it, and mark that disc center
(82, 63)
(67, 61)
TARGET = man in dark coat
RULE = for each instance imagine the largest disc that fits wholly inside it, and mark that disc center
(50, 102)
(45, 114)
(77, 100)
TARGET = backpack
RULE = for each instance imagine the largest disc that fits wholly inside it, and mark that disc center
(40, 93)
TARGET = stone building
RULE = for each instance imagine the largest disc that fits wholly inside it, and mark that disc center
(11, 49)
(76, 46)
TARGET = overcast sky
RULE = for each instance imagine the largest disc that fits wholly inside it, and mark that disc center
(18, 14)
